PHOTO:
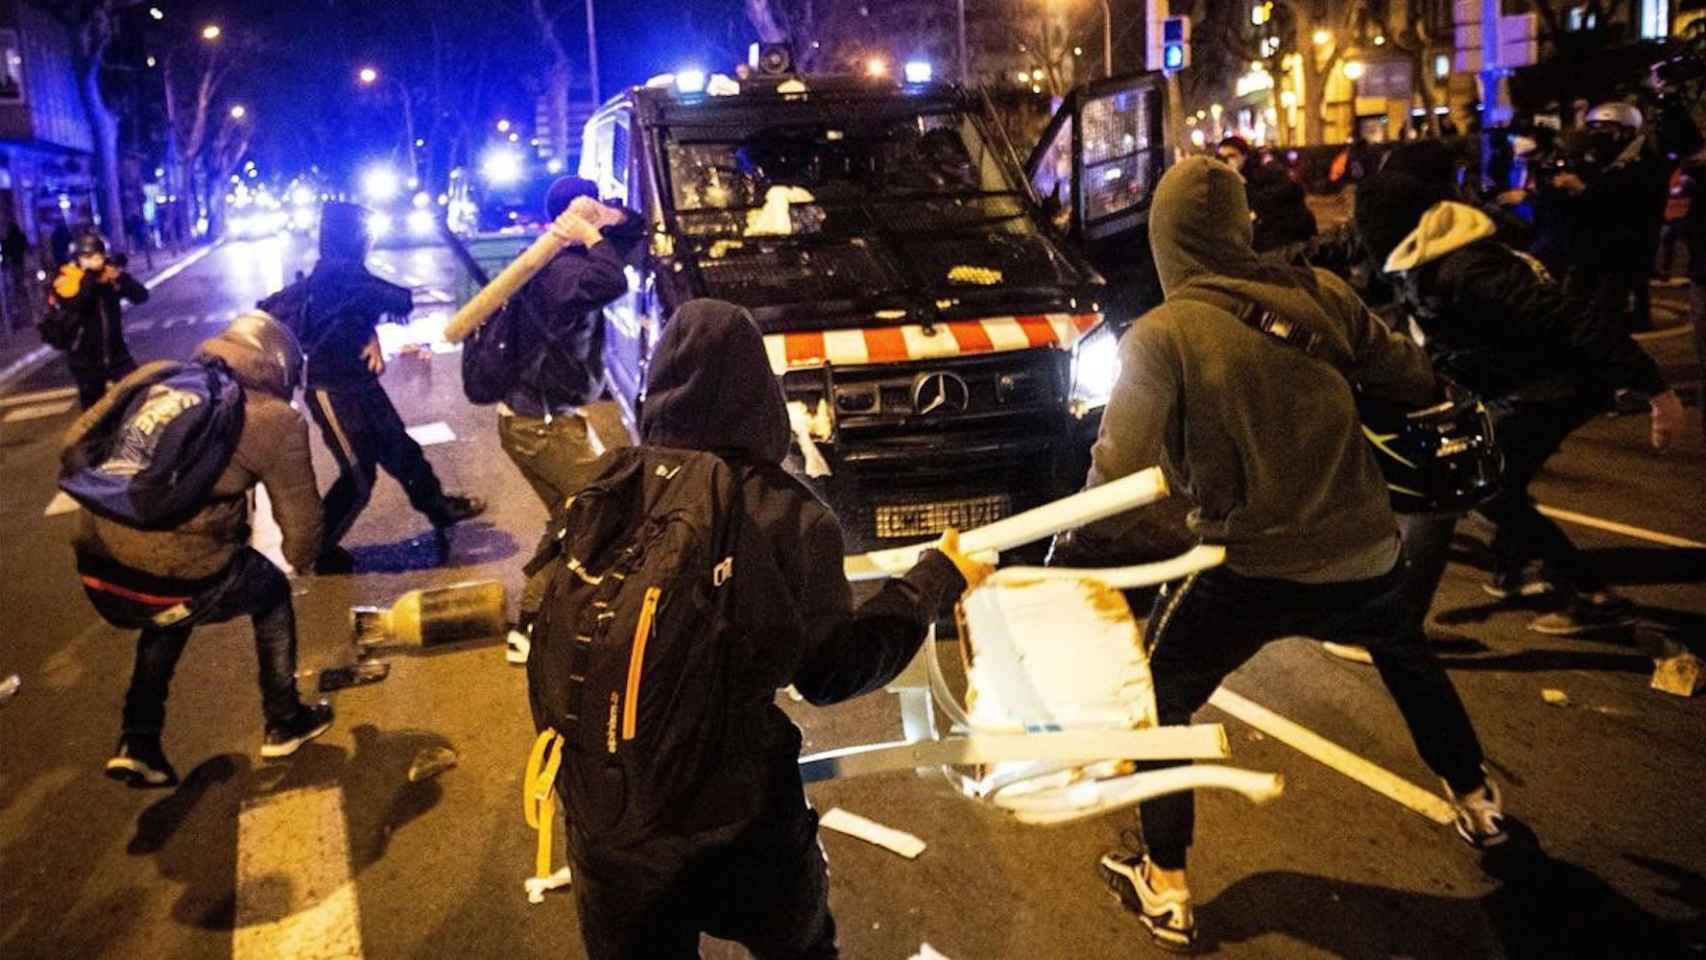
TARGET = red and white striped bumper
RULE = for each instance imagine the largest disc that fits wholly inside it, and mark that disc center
(805, 351)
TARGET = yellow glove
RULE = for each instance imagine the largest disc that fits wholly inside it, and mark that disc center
(974, 571)
(69, 281)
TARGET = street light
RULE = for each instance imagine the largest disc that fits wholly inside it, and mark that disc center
(156, 13)
(367, 75)
(210, 32)
(238, 111)
(1354, 70)
(1323, 37)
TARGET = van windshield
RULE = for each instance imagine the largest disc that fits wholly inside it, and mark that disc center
(846, 160)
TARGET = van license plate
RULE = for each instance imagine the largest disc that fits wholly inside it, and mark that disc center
(924, 519)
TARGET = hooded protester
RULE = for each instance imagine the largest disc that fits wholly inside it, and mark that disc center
(334, 312)
(1239, 387)
(1282, 213)
(744, 863)
(203, 570)
(90, 289)
(540, 423)
(1495, 322)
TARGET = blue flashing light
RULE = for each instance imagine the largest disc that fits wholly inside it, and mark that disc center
(919, 71)
(380, 183)
(501, 167)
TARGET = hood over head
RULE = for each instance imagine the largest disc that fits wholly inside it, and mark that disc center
(1199, 225)
(262, 353)
(1445, 227)
(563, 191)
(1430, 160)
(710, 386)
(344, 233)
(1389, 204)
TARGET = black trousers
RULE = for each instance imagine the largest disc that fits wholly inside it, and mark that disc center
(364, 432)
(251, 587)
(92, 377)
(1205, 628)
(762, 883)
(1607, 293)
(1529, 433)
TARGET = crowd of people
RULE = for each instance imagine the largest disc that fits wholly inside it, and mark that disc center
(1208, 390)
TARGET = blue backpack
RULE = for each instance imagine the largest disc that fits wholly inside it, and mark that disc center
(152, 461)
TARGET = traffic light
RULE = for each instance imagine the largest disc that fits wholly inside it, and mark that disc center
(1175, 43)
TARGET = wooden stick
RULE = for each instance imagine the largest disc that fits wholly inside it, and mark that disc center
(490, 299)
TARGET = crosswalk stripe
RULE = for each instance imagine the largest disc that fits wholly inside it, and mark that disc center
(1612, 526)
(428, 434)
(295, 892)
(18, 414)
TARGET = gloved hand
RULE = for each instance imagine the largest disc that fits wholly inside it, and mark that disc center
(974, 571)
(1667, 420)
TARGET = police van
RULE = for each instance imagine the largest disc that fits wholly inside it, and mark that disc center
(933, 305)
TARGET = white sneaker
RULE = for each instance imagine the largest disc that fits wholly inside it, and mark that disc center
(518, 646)
(1166, 915)
(1480, 815)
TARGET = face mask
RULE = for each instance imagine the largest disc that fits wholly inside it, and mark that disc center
(92, 262)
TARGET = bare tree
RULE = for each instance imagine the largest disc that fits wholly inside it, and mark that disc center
(557, 76)
(91, 26)
(192, 78)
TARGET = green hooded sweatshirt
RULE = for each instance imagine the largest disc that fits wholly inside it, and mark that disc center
(1261, 438)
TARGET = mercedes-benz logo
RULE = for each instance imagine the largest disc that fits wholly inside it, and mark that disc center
(940, 392)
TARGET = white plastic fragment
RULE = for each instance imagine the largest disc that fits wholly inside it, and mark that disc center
(536, 886)
(898, 841)
(927, 952)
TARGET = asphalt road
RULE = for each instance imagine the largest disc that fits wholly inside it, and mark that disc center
(341, 840)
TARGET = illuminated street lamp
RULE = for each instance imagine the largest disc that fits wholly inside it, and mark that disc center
(238, 111)
(156, 13)
(876, 67)
(1323, 37)
(1354, 69)
(367, 75)
(210, 32)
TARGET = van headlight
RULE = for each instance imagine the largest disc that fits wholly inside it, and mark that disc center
(1095, 367)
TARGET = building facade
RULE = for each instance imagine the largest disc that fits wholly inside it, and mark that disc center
(46, 142)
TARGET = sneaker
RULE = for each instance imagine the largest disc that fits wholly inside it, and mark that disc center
(286, 738)
(1348, 652)
(520, 643)
(1523, 585)
(334, 562)
(1480, 815)
(1167, 916)
(140, 763)
(455, 508)
(1588, 613)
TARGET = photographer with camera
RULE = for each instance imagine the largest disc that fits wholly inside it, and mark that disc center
(85, 316)
(1613, 183)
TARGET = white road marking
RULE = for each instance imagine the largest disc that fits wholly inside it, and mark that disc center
(54, 409)
(39, 396)
(264, 534)
(295, 893)
(140, 326)
(1317, 747)
(180, 266)
(1612, 526)
(428, 434)
(61, 503)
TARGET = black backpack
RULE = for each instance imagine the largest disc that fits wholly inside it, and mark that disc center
(631, 661)
(492, 364)
(58, 328)
(152, 461)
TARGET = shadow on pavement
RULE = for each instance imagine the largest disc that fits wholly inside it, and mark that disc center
(194, 832)
(1639, 566)
(1544, 661)
(468, 544)
(1543, 907)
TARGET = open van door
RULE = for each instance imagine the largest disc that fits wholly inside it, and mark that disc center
(1095, 172)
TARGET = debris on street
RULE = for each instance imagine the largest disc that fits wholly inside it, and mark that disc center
(9, 687)
(1556, 698)
(431, 762)
(870, 831)
(1682, 675)
(358, 674)
(427, 618)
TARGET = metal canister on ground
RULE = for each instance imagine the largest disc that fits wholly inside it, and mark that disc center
(434, 616)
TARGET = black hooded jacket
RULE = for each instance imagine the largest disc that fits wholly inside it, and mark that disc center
(97, 312)
(567, 297)
(333, 312)
(711, 389)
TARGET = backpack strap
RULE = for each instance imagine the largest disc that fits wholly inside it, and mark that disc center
(538, 789)
(1265, 321)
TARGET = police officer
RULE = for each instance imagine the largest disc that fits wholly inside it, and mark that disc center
(1615, 186)
(89, 289)
(334, 312)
